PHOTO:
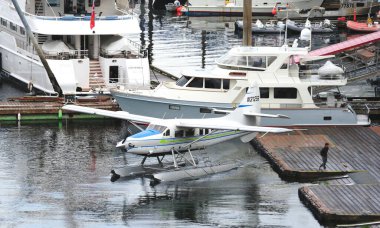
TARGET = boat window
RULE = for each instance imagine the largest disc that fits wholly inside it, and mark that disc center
(12, 26)
(4, 22)
(242, 61)
(182, 81)
(285, 93)
(359, 4)
(264, 92)
(229, 60)
(53, 2)
(257, 61)
(271, 59)
(226, 84)
(179, 133)
(156, 127)
(205, 110)
(196, 83)
(213, 83)
(22, 31)
(284, 66)
(96, 3)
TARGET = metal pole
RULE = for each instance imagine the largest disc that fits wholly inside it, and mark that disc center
(247, 23)
(51, 76)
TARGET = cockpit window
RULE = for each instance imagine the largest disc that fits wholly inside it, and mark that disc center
(246, 62)
(156, 127)
(271, 59)
(196, 83)
(213, 83)
(182, 81)
(257, 61)
(229, 60)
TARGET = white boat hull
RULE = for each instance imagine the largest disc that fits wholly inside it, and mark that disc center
(171, 108)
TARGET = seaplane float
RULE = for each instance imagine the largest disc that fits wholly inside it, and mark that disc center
(177, 137)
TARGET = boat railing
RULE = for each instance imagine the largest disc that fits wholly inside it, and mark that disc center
(72, 54)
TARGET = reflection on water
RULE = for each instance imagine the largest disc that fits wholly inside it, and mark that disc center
(54, 176)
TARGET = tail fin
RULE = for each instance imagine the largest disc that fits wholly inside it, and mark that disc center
(249, 104)
(251, 99)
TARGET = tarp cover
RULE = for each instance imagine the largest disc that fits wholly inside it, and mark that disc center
(329, 69)
(115, 45)
(53, 47)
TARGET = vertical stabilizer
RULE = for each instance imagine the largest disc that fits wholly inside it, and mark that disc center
(250, 103)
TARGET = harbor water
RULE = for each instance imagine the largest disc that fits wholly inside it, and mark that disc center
(57, 174)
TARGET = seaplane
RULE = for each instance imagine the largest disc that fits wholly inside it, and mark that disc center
(176, 137)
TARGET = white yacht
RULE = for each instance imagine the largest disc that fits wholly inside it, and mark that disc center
(82, 58)
(286, 87)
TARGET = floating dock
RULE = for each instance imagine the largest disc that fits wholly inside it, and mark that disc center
(351, 183)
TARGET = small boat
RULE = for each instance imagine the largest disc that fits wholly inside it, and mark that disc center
(321, 27)
(363, 26)
(258, 27)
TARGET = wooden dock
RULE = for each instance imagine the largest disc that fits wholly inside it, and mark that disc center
(49, 108)
(351, 181)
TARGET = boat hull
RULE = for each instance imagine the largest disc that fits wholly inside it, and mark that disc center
(171, 108)
(362, 26)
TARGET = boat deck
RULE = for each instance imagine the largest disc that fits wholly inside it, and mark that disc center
(350, 184)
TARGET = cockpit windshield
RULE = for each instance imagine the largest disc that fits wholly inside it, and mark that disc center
(246, 62)
(156, 127)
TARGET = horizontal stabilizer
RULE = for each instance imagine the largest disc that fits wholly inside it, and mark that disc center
(266, 115)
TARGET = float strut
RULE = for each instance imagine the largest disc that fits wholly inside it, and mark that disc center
(174, 160)
(143, 161)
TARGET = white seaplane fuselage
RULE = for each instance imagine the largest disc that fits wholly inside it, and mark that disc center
(158, 139)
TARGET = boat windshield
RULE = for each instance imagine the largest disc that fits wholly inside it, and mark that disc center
(255, 62)
(156, 127)
(182, 80)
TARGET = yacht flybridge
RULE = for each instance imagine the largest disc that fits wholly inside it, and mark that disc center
(286, 87)
(83, 58)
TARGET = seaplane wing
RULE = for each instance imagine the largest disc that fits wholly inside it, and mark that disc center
(114, 114)
(226, 125)
(266, 115)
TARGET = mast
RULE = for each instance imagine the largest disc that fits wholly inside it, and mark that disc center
(247, 23)
(51, 76)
